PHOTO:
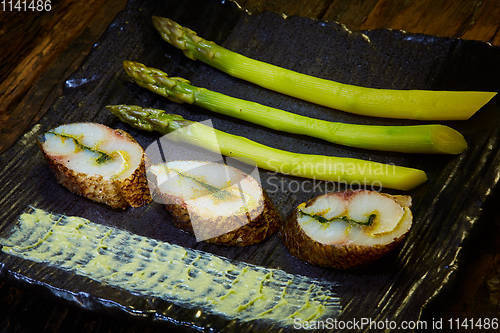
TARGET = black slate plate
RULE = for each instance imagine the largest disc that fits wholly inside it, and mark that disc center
(445, 209)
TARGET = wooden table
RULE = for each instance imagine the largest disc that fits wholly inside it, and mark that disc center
(40, 50)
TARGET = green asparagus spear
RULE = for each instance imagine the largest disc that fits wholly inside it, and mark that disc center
(339, 169)
(407, 139)
(406, 104)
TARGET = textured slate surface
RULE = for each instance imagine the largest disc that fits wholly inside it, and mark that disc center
(445, 209)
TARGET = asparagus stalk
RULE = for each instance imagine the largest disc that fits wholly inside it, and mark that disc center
(339, 169)
(406, 104)
(407, 139)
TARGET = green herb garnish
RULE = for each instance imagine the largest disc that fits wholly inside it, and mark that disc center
(215, 191)
(103, 157)
(322, 219)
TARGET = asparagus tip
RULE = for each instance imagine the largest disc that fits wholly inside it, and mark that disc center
(177, 35)
(116, 109)
(138, 71)
(164, 25)
(159, 19)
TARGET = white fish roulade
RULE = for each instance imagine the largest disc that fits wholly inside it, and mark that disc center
(98, 162)
(218, 203)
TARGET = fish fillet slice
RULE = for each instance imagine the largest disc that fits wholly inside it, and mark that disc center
(218, 203)
(347, 229)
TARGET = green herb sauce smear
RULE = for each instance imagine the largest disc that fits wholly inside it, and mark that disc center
(185, 277)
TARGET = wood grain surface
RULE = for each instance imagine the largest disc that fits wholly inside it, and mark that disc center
(39, 50)
(32, 42)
